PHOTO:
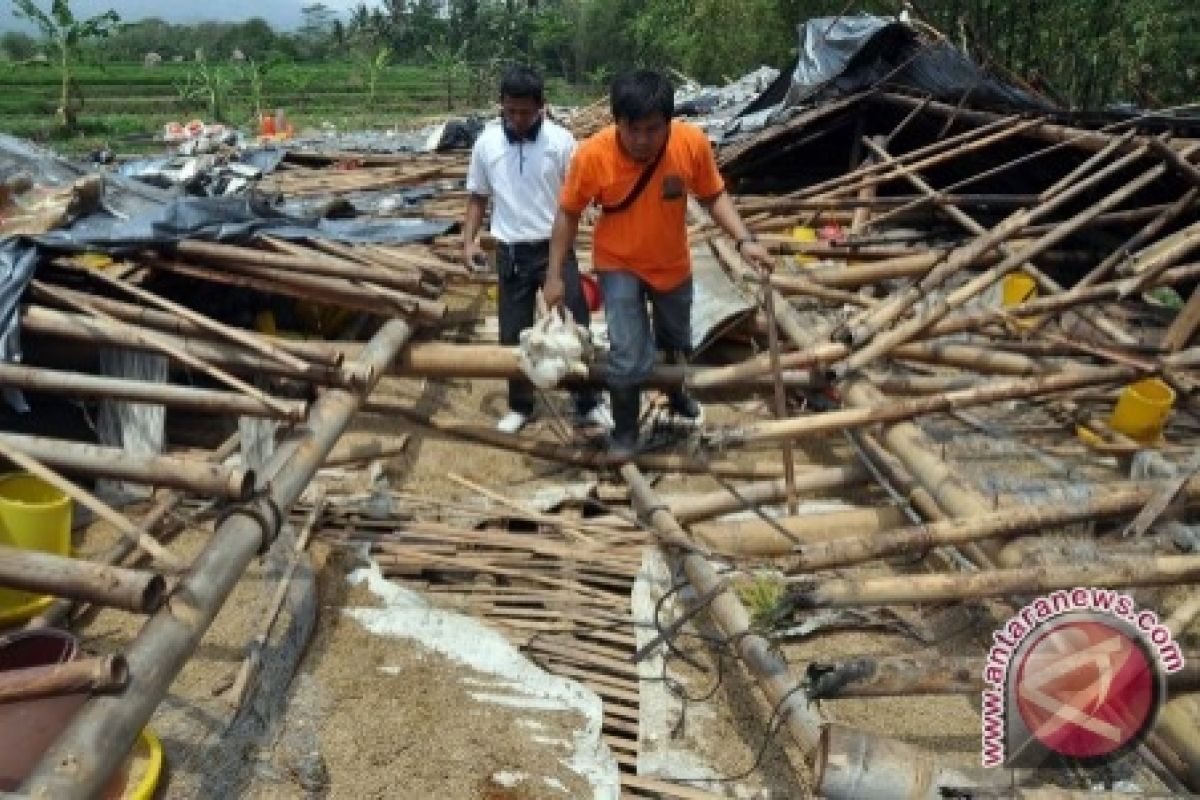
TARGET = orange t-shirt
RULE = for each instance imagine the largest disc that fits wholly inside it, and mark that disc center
(649, 238)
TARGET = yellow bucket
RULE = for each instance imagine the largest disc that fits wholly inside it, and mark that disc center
(803, 233)
(1142, 410)
(34, 516)
(1017, 288)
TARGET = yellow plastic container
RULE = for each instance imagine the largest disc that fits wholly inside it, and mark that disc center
(803, 233)
(1017, 288)
(33, 516)
(1142, 410)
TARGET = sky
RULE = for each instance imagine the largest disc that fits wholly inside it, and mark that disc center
(281, 14)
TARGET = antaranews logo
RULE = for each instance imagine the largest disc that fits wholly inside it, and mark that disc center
(1079, 674)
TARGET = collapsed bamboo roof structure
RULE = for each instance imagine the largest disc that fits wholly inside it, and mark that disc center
(885, 329)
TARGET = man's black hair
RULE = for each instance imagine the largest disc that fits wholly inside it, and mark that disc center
(641, 93)
(522, 82)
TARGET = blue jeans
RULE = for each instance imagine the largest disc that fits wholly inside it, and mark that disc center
(522, 271)
(633, 336)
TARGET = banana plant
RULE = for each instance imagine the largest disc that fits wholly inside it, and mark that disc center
(65, 33)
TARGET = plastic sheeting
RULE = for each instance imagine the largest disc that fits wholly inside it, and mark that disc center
(843, 55)
(232, 218)
(137, 216)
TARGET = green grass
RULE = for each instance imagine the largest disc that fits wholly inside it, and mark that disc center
(124, 104)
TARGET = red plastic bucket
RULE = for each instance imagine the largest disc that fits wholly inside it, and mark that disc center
(29, 727)
(591, 292)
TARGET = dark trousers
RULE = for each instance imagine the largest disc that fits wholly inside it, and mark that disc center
(522, 271)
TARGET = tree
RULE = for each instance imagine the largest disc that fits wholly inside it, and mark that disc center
(65, 33)
(316, 31)
(18, 46)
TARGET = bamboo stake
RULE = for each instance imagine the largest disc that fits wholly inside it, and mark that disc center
(781, 410)
(847, 592)
(78, 384)
(1179, 162)
(213, 480)
(94, 504)
(90, 675)
(152, 341)
(46, 573)
(332, 266)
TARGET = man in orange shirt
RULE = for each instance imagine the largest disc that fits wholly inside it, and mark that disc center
(640, 172)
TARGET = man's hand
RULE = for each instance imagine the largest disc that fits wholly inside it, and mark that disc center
(473, 257)
(758, 256)
(553, 291)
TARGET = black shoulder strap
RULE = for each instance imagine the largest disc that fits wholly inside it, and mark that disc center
(641, 184)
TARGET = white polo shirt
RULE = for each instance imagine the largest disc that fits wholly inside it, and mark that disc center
(522, 178)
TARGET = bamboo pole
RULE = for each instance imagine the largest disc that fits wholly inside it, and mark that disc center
(770, 672)
(115, 587)
(937, 588)
(141, 316)
(582, 455)
(205, 479)
(757, 539)
(1005, 522)
(59, 611)
(1009, 389)
(235, 335)
(94, 504)
(850, 183)
(380, 301)
(930, 674)
(857, 765)
(779, 395)
(1179, 162)
(882, 345)
(1049, 201)
(90, 675)
(210, 401)
(895, 676)
(91, 330)
(99, 737)
(145, 340)
(326, 265)
(353, 284)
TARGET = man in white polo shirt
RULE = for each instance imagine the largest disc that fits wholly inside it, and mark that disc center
(520, 165)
